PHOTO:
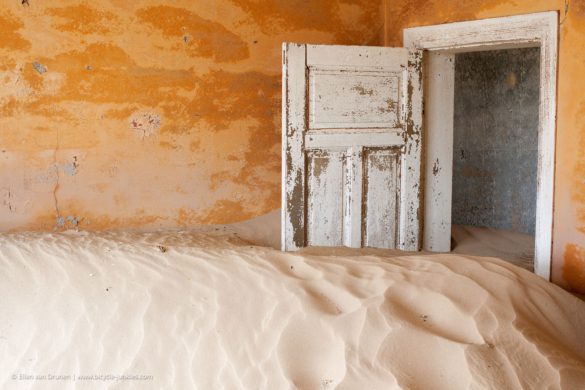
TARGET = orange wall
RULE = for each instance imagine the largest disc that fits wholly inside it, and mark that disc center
(569, 216)
(151, 113)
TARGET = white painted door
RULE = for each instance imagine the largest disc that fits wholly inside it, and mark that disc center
(351, 146)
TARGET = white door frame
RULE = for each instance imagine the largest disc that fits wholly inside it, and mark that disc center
(442, 41)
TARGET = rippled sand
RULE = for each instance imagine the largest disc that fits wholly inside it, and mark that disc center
(208, 310)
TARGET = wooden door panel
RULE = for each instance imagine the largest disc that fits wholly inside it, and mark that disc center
(353, 99)
(351, 146)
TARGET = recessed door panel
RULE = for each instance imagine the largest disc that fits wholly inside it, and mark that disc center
(325, 183)
(353, 99)
(381, 189)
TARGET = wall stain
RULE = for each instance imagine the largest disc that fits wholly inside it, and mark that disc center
(224, 211)
(204, 38)
(574, 267)
(253, 95)
(360, 24)
(11, 39)
(83, 19)
(576, 8)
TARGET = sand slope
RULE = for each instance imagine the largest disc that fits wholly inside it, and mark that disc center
(211, 311)
(511, 246)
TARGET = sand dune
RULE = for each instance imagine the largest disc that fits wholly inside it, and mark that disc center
(209, 310)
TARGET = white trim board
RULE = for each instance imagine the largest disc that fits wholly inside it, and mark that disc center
(531, 30)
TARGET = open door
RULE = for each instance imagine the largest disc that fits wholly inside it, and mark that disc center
(351, 146)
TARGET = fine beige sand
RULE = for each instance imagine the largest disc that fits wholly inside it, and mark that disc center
(208, 309)
(513, 247)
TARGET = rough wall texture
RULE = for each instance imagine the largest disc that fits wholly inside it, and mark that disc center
(150, 113)
(568, 267)
(495, 151)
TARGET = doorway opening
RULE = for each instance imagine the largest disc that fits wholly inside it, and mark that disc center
(442, 43)
(495, 154)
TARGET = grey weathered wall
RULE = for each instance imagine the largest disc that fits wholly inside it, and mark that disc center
(495, 139)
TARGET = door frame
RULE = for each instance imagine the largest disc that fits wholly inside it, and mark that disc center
(442, 42)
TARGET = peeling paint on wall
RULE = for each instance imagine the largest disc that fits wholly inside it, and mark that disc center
(197, 82)
(145, 124)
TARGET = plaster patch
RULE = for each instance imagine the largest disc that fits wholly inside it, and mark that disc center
(39, 67)
(48, 177)
(60, 222)
(71, 168)
(74, 221)
(201, 37)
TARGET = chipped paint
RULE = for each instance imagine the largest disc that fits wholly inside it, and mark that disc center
(72, 220)
(60, 222)
(39, 67)
(436, 168)
(146, 124)
(70, 169)
(364, 91)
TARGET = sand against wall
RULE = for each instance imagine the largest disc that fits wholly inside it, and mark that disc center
(210, 311)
